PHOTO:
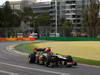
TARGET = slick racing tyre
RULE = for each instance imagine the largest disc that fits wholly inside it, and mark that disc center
(32, 58)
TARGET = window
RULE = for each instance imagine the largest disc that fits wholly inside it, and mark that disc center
(78, 16)
(76, 20)
(70, 2)
(74, 11)
(73, 16)
(73, 6)
(67, 11)
(68, 16)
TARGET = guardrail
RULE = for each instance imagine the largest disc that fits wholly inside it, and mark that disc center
(69, 39)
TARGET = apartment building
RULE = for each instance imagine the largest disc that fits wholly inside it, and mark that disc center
(41, 7)
(71, 10)
(27, 3)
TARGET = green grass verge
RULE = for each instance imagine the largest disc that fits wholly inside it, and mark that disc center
(28, 49)
(87, 61)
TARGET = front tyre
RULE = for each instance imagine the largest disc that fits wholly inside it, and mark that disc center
(32, 58)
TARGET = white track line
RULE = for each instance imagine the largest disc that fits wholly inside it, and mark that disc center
(12, 49)
(46, 71)
(6, 72)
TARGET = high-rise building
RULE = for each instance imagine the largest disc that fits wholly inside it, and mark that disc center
(41, 7)
(71, 10)
(27, 3)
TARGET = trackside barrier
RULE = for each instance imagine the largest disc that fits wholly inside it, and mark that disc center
(17, 39)
(2, 39)
(32, 39)
(69, 39)
(11, 39)
(20, 39)
(26, 39)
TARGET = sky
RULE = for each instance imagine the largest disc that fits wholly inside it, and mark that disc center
(2, 1)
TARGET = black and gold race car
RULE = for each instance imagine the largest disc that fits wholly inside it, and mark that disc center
(51, 59)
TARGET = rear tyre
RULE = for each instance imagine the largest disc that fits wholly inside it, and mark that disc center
(75, 64)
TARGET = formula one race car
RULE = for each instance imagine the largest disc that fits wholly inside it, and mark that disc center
(50, 59)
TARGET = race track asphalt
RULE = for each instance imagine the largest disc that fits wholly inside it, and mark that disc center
(12, 63)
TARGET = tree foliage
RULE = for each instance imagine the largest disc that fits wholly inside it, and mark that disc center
(42, 23)
(7, 17)
(43, 19)
(10, 18)
(27, 14)
(91, 20)
(66, 27)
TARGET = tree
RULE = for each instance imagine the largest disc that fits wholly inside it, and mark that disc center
(42, 23)
(5, 15)
(1, 17)
(91, 20)
(27, 14)
(27, 17)
(66, 27)
(8, 19)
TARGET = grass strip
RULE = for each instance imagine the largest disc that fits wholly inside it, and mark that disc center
(87, 61)
(28, 49)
